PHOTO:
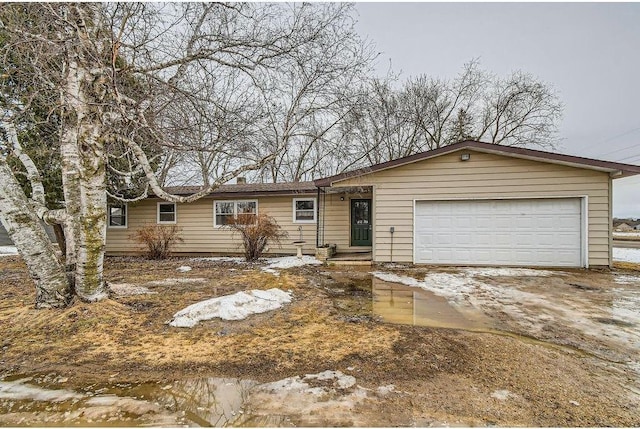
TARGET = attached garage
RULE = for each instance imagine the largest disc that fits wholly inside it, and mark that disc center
(475, 203)
(544, 232)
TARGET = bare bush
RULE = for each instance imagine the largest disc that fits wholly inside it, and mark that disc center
(257, 231)
(158, 239)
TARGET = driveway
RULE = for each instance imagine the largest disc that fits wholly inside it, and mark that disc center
(594, 312)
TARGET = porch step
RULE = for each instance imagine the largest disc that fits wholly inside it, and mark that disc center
(359, 258)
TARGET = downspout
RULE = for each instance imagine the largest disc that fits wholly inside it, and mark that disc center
(391, 231)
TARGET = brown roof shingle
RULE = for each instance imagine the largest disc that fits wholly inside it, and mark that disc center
(249, 189)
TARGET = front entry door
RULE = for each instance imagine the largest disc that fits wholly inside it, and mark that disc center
(361, 222)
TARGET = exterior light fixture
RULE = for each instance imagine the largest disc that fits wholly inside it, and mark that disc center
(465, 157)
(341, 198)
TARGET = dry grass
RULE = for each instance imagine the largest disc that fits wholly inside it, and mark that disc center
(448, 374)
(132, 329)
(631, 266)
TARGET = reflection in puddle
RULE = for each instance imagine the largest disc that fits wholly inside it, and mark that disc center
(205, 402)
(397, 303)
(200, 402)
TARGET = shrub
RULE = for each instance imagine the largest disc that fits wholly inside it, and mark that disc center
(158, 239)
(257, 232)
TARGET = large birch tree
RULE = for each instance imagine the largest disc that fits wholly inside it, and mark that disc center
(133, 91)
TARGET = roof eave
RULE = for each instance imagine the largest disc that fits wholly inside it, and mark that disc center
(592, 164)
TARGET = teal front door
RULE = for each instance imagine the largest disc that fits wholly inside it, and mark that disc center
(361, 222)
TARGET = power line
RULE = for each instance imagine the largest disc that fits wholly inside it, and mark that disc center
(629, 157)
(620, 150)
(612, 138)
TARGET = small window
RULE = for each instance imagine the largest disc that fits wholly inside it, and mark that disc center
(166, 212)
(304, 210)
(117, 216)
(224, 211)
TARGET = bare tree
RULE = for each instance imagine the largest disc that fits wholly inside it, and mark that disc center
(427, 113)
(128, 84)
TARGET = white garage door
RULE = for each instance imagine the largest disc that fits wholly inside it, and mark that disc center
(531, 232)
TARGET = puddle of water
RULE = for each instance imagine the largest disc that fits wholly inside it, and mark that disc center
(207, 402)
(28, 401)
(401, 304)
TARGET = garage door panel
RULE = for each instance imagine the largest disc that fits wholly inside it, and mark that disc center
(531, 232)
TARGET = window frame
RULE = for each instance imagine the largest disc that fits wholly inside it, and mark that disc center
(315, 210)
(175, 213)
(126, 216)
(235, 210)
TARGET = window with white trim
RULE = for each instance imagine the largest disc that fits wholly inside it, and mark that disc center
(166, 212)
(117, 216)
(304, 210)
(225, 211)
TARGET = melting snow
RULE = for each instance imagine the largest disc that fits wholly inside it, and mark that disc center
(231, 307)
(288, 262)
(626, 280)
(626, 234)
(503, 395)
(8, 250)
(626, 255)
(21, 391)
(291, 262)
(302, 384)
(508, 272)
(184, 269)
(341, 380)
(172, 282)
(221, 259)
(456, 286)
(129, 289)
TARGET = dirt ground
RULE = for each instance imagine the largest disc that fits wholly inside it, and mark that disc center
(438, 376)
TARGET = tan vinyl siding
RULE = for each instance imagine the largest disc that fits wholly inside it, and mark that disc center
(198, 231)
(483, 176)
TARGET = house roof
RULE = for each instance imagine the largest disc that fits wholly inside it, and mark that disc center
(614, 168)
(249, 189)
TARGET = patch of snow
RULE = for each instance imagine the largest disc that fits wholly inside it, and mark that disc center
(385, 390)
(184, 269)
(342, 381)
(626, 280)
(508, 272)
(286, 384)
(302, 384)
(18, 390)
(221, 259)
(503, 395)
(626, 234)
(626, 305)
(448, 285)
(455, 285)
(231, 307)
(173, 282)
(8, 250)
(626, 255)
(395, 278)
(124, 289)
(291, 262)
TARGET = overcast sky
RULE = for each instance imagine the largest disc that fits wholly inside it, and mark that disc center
(589, 52)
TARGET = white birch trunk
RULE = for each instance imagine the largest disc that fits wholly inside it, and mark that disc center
(84, 178)
(25, 230)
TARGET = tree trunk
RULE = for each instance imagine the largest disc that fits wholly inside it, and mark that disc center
(84, 169)
(33, 243)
